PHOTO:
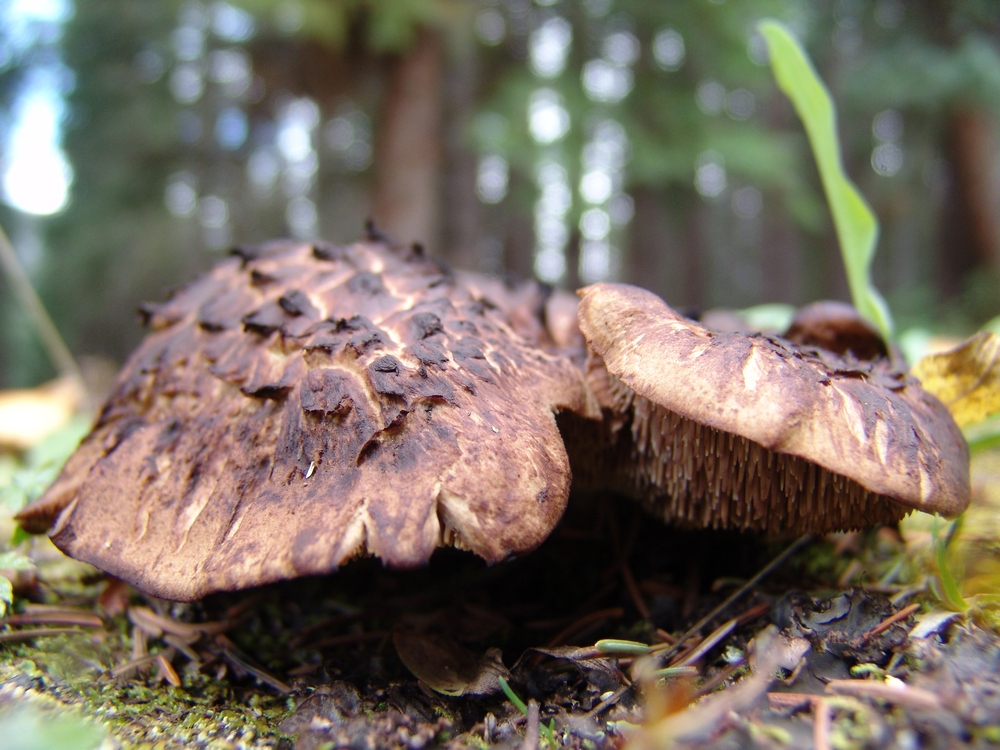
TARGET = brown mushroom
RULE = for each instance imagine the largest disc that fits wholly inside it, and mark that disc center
(743, 431)
(302, 405)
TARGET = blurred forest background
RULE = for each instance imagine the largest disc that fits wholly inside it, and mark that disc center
(576, 140)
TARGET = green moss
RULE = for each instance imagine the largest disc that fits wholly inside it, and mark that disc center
(138, 711)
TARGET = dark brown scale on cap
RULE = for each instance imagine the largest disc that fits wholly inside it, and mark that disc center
(225, 310)
(296, 302)
(250, 253)
(426, 324)
(374, 234)
(297, 407)
(366, 283)
(383, 374)
(731, 430)
(329, 251)
(266, 320)
(356, 333)
(430, 353)
(468, 353)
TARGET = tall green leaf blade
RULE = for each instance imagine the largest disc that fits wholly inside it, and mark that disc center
(856, 225)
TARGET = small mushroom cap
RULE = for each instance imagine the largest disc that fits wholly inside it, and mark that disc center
(838, 328)
(301, 405)
(859, 420)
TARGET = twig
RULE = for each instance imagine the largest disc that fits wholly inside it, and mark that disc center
(901, 695)
(822, 719)
(17, 636)
(231, 655)
(720, 677)
(51, 609)
(581, 623)
(606, 704)
(139, 643)
(348, 639)
(531, 731)
(303, 634)
(888, 622)
(133, 664)
(155, 625)
(49, 335)
(633, 591)
(167, 671)
(707, 644)
(662, 636)
(753, 613)
(763, 573)
(64, 617)
(792, 700)
(181, 645)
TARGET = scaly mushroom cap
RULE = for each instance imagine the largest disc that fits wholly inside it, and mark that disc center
(753, 432)
(302, 405)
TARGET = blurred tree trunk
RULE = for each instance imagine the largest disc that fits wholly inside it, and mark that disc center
(461, 222)
(972, 229)
(407, 155)
(781, 256)
(648, 260)
(665, 252)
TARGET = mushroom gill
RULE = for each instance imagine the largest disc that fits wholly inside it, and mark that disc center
(694, 475)
(746, 431)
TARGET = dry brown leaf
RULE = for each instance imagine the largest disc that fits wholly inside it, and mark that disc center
(447, 666)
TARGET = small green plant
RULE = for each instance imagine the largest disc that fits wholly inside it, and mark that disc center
(10, 560)
(25, 483)
(856, 225)
(966, 379)
(947, 585)
(547, 731)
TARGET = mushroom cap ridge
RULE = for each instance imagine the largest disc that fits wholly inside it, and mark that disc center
(302, 405)
(860, 420)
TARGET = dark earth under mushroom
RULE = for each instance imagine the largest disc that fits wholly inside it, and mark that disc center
(301, 405)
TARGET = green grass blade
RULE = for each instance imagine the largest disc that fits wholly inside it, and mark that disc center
(512, 696)
(856, 225)
(951, 590)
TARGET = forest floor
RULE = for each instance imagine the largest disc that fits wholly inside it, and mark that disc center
(843, 645)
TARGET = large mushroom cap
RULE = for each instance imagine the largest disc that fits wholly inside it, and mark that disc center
(754, 432)
(301, 405)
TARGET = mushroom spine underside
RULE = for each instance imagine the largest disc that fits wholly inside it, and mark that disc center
(694, 475)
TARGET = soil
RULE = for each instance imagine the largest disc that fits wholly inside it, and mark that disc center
(825, 652)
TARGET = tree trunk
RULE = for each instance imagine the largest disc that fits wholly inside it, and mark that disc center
(461, 230)
(408, 146)
(972, 229)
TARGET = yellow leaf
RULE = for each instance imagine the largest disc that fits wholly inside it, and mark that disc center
(966, 379)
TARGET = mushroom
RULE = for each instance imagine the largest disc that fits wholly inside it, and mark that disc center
(741, 431)
(301, 405)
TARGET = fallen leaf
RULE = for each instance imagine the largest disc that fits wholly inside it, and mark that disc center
(448, 667)
(29, 415)
(966, 379)
(602, 672)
